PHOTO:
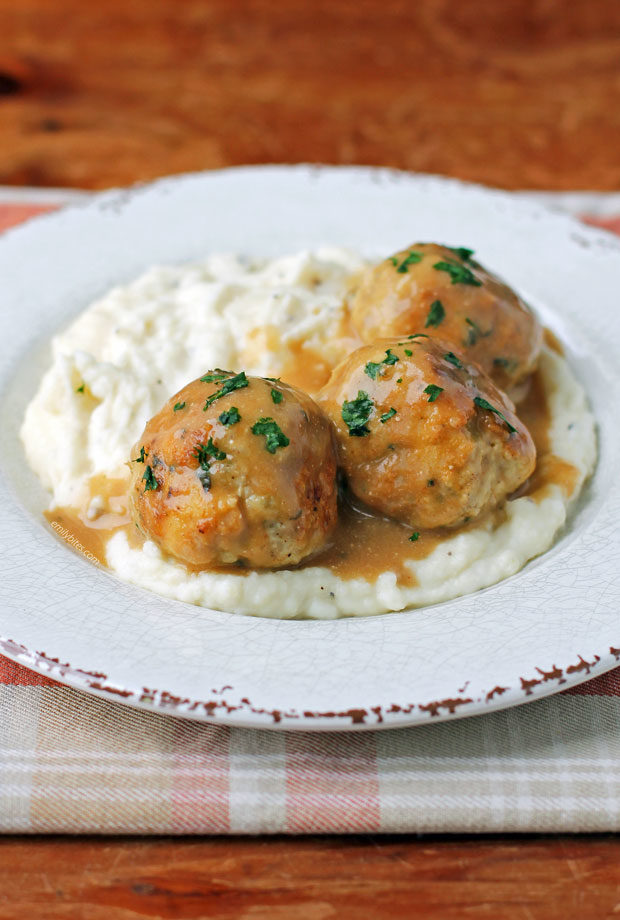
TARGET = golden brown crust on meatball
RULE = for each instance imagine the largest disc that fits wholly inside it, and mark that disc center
(236, 469)
(423, 436)
(444, 292)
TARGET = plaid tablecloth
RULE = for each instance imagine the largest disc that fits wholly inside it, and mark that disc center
(77, 764)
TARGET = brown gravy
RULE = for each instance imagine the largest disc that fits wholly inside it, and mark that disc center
(91, 536)
(552, 341)
(364, 545)
(349, 555)
(306, 369)
(550, 470)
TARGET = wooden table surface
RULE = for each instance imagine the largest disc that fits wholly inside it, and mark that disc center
(515, 93)
(310, 878)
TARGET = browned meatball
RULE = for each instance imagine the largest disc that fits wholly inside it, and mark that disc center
(236, 469)
(425, 437)
(444, 292)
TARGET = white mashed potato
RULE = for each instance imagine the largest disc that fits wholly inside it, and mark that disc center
(116, 365)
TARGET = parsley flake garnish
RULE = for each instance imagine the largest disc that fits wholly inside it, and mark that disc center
(150, 483)
(414, 536)
(238, 382)
(355, 414)
(207, 452)
(462, 252)
(436, 314)
(229, 416)
(387, 415)
(276, 396)
(400, 380)
(432, 391)
(143, 454)
(215, 377)
(459, 274)
(475, 332)
(178, 406)
(483, 404)
(412, 259)
(374, 369)
(418, 335)
(390, 357)
(274, 436)
(452, 358)
(204, 453)
(80, 389)
(408, 352)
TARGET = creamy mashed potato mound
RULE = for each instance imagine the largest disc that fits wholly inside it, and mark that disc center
(116, 365)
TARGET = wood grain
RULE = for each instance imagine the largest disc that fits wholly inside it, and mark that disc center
(310, 878)
(516, 93)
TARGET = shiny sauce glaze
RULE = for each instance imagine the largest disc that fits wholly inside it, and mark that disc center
(365, 544)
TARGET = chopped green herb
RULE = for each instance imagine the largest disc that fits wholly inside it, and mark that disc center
(178, 406)
(273, 379)
(276, 396)
(408, 352)
(452, 358)
(143, 454)
(432, 391)
(355, 414)
(475, 332)
(238, 382)
(418, 335)
(436, 314)
(202, 456)
(400, 380)
(390, 357)
(483, 404)
(274, 436)
(503, 362)
(214, 451)
(206, 452)
(216, 376)
(458, 273)
(387, 415)
(412, 259)
(229, 416)
(414, 536)
(431, 482)
(462, 252)
(150, 483)
(374, 369)
(80, 389)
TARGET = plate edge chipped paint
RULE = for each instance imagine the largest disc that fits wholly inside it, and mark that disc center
(244, 715)
(235, 707)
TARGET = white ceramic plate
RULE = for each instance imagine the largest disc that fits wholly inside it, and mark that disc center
(554, 624)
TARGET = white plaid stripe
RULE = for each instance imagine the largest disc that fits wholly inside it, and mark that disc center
(257, 782)
(19, 720)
